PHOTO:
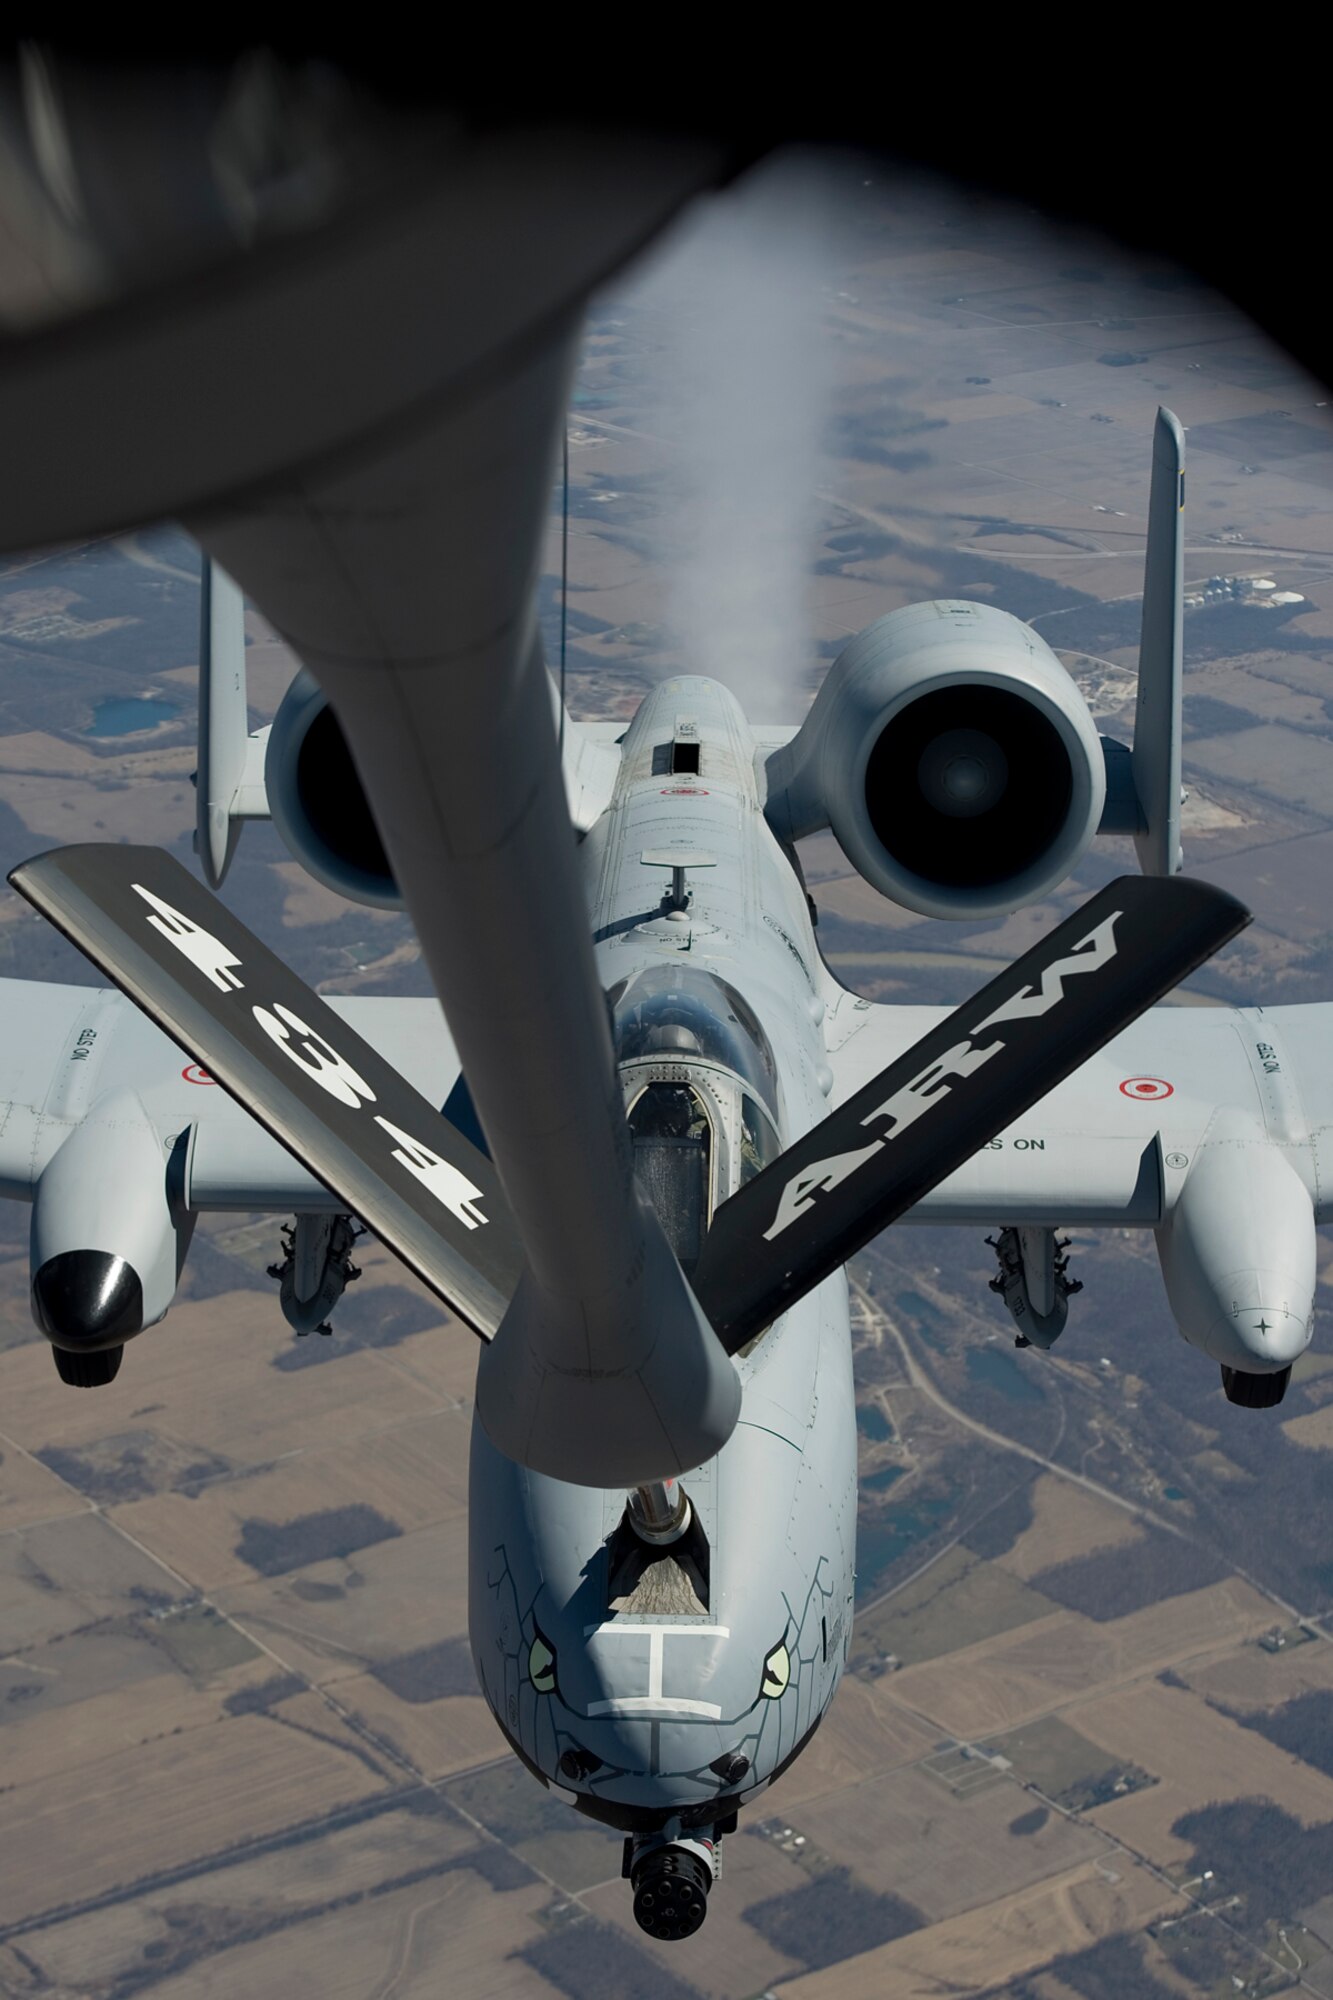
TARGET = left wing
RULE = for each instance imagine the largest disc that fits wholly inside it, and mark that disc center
(65, 1047)
(323, 1092)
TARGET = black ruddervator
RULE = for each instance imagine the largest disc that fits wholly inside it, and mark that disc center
(374, 1141)
(432, 1197)
(985, 1065)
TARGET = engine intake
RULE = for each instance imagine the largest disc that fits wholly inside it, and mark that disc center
(954, 759)
(318, 803)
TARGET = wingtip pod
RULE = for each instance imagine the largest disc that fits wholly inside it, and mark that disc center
(1239, 1250)
(109, 1230)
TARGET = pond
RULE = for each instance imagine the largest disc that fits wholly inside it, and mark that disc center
(881, 1540)
(878, 1482)
(872, 1422)
(926, 1315)
(126, 715)
(995, 1369)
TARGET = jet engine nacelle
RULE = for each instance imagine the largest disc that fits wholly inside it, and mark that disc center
(1238, 1255)
(317, 801)
(954, 759)
(108, 1236)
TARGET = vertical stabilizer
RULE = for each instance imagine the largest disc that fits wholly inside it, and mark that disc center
(1157, 718)
(224, 726)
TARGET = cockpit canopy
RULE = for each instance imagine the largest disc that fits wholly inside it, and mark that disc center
(700, 1092)
(681, 1012)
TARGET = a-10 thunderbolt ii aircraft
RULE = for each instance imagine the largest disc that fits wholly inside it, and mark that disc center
(658, 1643)
(335, 338)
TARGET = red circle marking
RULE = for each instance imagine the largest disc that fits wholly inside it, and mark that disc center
(1146, 1088)
(195, 1073)
(684, 791)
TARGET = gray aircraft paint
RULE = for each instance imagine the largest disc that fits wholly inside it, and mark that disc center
(223, 722)
(140, 442)
(132, 1209)
(819, 779)
(778, 1502)
(657, 1700)
(1080, 1152)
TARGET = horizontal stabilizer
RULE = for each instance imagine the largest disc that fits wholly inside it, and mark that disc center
(335, 1103)
(981, 1068)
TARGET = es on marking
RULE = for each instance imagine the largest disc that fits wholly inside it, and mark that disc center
(196, 1073)
(1146, 1088)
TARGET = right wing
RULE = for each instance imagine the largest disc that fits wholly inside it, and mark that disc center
(1092, 1153)
(63, 1047)
(951, 1092)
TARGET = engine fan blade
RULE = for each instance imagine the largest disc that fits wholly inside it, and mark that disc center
(909, 1128)
(325, 1094)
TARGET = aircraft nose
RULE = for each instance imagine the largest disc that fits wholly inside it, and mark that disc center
(87, 1299)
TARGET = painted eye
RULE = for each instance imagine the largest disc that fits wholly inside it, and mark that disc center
(541, 1666)
(777, 1672)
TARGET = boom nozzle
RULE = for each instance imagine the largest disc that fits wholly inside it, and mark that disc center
(659, 1512)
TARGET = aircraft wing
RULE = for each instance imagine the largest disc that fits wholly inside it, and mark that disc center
(330, 1098)
(1095, 1149)
(326, 1094)
(65, 1046)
